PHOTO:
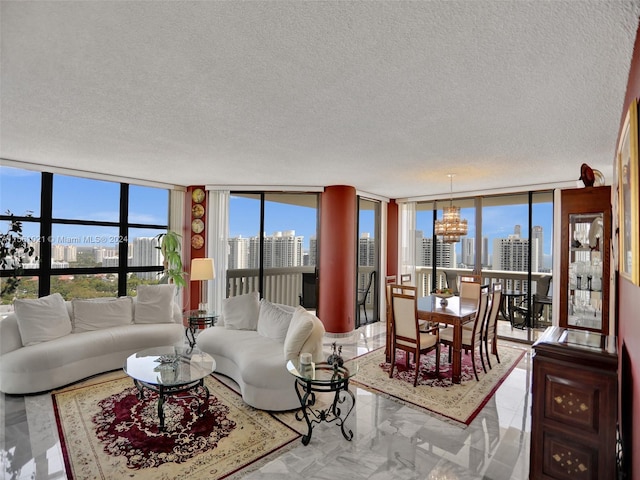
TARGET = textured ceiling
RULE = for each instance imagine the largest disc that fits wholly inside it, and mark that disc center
(388, 97)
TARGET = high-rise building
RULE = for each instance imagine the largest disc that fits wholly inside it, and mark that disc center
(238, 253)
(282, 249)
(144, 252)
(537, 239)
(468, 251)
(511, 254)
(71, 253)
(313, 251)
(485, 252)
(57, 253)
(366, 251)
(445, 252)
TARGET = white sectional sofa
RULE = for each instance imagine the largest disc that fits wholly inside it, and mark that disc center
(251, 343)
(48, 343)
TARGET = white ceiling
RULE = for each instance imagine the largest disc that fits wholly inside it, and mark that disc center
(388, 97)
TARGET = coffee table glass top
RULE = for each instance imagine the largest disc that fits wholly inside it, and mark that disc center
(322, 373)
(169, 366)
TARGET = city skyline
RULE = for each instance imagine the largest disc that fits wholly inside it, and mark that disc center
(100, 202)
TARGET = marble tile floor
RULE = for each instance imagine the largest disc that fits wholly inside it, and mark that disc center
(391, 441)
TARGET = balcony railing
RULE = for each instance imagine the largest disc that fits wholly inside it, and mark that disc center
(284, 285)
(281, 285)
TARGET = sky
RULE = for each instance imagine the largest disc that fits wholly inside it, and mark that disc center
(99, 200)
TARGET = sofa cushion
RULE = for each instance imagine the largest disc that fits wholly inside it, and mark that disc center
(42, 319)
(274, 320)
(299, 330)
(99, 313)
(154, 304)
(241, 312)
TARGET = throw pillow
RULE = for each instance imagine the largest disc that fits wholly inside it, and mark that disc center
(241, 312)
(299, 330)
(42, 319)
(154, 303)
(99, 313)
(273, 321)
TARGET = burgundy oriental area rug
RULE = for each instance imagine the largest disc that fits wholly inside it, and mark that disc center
(437, 393)
(107, 432)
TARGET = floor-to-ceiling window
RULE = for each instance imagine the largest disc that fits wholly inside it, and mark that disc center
(509, 241)
(272, 262)
(437, 262)
(368, 268)
(517, 233)
(91, 237)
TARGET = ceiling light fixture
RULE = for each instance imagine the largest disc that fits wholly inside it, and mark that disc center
(451, 227)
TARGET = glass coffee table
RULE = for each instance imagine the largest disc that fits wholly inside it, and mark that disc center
(169, 371)
(318, 378)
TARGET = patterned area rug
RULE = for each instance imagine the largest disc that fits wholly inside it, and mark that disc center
(107, 433)
(437, 393)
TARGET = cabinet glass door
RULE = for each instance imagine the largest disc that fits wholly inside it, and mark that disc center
(586, 247)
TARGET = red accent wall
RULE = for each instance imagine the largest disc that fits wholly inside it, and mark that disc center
(392, 238)
(629, 322)
(337, 279)
(194, 243)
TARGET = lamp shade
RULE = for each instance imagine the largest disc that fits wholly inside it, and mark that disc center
(202, 269)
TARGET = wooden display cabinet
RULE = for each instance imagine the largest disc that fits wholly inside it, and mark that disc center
(574, 409)
(585, 257)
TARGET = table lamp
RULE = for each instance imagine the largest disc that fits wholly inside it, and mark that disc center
(202, 269)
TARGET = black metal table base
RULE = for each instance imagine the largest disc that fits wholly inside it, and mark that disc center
(165, 391)
(306, 392)
(195, 324)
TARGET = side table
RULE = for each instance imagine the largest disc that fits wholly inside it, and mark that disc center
(318, 378)
(195, 320)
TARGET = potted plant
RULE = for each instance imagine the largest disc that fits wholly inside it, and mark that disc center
(170, 246)
(14, 250)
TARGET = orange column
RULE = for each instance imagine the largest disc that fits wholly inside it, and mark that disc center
(337, 259)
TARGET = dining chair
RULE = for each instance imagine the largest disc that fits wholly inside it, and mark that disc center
(469, 288)
(471, 338)
(543, 285)
(490, 332)
(389, 315)
(406, 334)
(390, 279)
(405, 279)
(363, 295)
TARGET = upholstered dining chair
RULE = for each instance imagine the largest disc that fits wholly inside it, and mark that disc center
(469, 288)
(471, 338)
(406, 334)
(490, 332)
(405, 279)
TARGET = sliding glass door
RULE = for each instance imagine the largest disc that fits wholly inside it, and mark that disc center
(368, 268)
(273, 246)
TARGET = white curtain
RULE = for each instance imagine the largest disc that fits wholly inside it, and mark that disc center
(407, 239)
(176, 224)
(217, 246)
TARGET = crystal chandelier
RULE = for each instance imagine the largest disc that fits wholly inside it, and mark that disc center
(451, 227)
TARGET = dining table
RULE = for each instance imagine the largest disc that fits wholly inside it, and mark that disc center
(455, 313)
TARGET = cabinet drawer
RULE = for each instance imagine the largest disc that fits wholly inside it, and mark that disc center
(565, 457)
(573, 402)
